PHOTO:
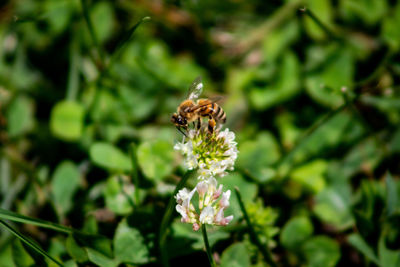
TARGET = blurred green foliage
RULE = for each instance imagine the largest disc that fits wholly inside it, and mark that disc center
(311, 89)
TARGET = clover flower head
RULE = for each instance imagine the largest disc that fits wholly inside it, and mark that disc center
(212, 154)
(211, 204)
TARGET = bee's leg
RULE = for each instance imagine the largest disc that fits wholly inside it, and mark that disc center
(211, 125)
(179, 129)
(198, 123)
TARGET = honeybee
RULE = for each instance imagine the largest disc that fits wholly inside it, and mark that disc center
(190, 111)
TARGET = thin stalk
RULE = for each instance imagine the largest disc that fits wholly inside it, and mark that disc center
(119, 49)
(73, 73)
(135, 174)
(12, 216)
(167, 218)
(263, 248)
(207, 245)
(364, 122)
(317, 21)
(86, 16)
(29, 243)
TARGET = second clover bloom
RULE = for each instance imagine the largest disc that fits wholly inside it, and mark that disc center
(211, 204)
(212, 154)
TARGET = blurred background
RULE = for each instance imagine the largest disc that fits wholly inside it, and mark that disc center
(311, 89)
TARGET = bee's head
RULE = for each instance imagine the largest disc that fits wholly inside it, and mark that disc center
(178, 120)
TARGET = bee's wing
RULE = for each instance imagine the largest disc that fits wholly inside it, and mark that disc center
(214, 99)
(195, 89)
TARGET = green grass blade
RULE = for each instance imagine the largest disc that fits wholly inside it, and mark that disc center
(125, 39)
(317, 21)
(263, 248)
(29, 243)
(12, 216)
(167, 218)
(86, 16)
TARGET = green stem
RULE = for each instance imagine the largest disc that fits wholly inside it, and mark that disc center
(167, 218)
(263, 248)
(317, 21)
(207, 245)
(85, 10)
(135, 174)
(364, 122)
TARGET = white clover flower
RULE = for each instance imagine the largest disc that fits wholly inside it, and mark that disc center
(211, 154)
(211, 204)
(184, 207)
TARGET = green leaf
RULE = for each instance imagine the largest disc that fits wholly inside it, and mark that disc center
(100, 259)
(321, 251)
(333, 208)
(391, 195)
(359, 243)
(370, 11)
(138, 104)
(102, 17)
(235, 256)
(284, 88)
(120, 195)
(77, 253)
(65, 183)
(256, 156)
(66, 120)
(295, 232)
(311, 175)
(324, 84)
(21, 258)
(155, 159)
(20, 116)
(323, 10)
(6, 256)
(387, 257)
(390, 28)
(278, 40)
(109, 157)
(129, 245)
(98, 243)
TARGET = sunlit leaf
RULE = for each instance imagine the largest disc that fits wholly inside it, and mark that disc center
(109, 157)
(311, 175)
(66, 120)
(155, 159)
(256, 156)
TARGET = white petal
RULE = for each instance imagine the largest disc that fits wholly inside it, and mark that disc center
(207, 215)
